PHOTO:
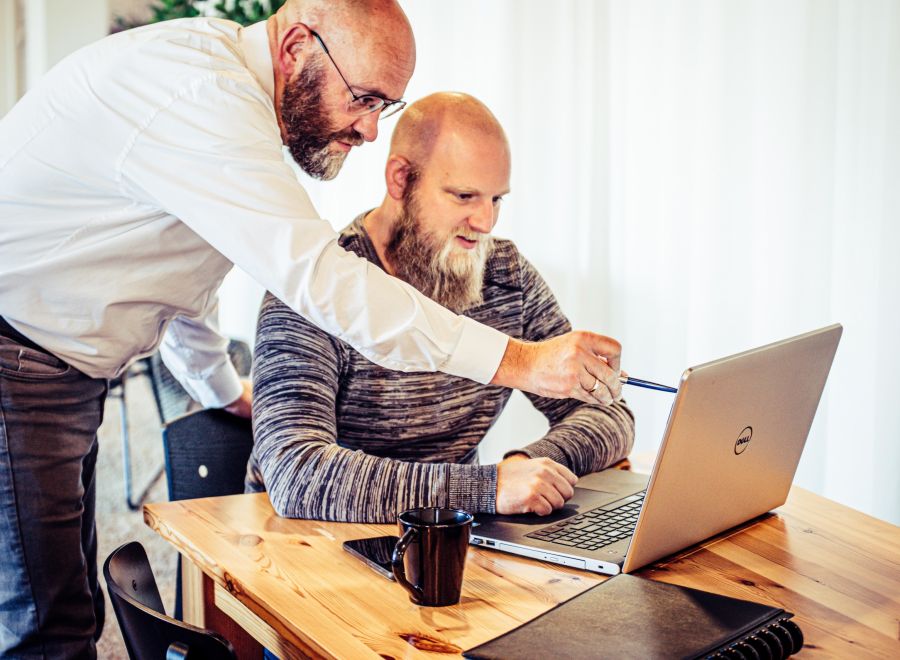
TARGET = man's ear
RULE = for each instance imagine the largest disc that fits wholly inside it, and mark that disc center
(293, 49)
(396, 174)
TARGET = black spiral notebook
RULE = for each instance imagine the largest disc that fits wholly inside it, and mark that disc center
(630, 617)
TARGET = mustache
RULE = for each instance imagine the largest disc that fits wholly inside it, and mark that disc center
(350, 136)
(478, 237)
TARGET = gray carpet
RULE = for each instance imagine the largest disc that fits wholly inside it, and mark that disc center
(116, 524)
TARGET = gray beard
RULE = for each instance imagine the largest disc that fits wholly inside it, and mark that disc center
(307, 127)
(448, 275)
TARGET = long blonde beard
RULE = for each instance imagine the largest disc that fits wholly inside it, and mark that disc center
(459, 273)
(448, 274)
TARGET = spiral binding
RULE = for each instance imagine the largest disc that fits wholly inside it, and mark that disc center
(773, 641)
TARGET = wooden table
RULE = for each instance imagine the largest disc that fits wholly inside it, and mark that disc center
(289, 585)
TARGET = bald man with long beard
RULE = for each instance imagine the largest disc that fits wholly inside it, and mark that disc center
(133, 177)
(340, 438)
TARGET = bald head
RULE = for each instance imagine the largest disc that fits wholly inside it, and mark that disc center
(356, 28)
(446, 176)
(434, 120)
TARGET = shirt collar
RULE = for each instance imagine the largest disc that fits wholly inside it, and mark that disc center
(254, 41)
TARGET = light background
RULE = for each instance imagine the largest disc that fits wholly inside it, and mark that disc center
(694, 178)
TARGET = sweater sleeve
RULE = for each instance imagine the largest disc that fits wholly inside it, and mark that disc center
(297, 380)
(583, 437)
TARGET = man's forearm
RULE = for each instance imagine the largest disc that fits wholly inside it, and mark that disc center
(578, 365)
(513, 366)
(296, 481)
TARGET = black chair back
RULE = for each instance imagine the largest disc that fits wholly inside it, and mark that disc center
(147, 631)
(206, 454)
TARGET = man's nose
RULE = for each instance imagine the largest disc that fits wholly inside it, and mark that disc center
(367, 126)
(483, 218)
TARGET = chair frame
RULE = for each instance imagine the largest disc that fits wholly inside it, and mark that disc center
(117, 390)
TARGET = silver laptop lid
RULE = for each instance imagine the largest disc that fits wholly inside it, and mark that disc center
(732, 443)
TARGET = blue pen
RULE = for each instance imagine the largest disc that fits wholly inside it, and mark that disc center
(628, 380)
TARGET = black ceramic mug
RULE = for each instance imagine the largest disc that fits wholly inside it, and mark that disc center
(430, 556)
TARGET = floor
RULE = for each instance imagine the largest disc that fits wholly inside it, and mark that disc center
(116, 524)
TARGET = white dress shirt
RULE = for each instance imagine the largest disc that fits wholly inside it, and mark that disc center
(138, 171)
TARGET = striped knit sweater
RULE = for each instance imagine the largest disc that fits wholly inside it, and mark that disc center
(340, 438)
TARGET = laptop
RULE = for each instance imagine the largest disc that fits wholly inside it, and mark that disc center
(730, 450)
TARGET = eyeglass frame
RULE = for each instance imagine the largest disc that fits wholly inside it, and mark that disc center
(388, 106)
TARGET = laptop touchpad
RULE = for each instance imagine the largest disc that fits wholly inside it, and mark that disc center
(583, 500)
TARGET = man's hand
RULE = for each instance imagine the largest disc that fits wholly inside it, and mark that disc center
(532, 485)
(242, 406)
(578, 365)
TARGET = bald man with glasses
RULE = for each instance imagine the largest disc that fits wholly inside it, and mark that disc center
(133, 177)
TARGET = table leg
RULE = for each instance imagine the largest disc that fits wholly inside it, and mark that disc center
(199, 607)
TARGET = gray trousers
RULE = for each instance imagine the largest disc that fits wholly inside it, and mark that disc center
(51, 605)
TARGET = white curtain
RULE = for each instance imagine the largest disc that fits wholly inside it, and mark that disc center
(694, 178)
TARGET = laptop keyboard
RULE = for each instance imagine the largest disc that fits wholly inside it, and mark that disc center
(596, 528)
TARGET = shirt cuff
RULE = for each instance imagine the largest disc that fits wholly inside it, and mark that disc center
(473, 488)
(542, 449)
(478, 354)
(217, 388)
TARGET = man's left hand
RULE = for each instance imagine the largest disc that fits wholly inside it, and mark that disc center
(243, 405)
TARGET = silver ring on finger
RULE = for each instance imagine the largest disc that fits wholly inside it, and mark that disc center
(596, 385)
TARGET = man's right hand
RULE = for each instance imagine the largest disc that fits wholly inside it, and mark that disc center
(532, 485)
(568, 366)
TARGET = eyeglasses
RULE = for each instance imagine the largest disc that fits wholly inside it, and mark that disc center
(367, 103)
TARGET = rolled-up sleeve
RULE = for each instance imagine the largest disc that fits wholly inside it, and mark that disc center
(197, 355)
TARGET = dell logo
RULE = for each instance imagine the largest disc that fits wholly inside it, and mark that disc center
(743, 440)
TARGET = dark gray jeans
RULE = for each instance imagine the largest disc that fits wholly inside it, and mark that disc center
(51, 605)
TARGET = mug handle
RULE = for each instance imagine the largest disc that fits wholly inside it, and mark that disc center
(397, 563)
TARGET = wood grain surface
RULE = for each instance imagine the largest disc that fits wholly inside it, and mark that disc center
(289, 584)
